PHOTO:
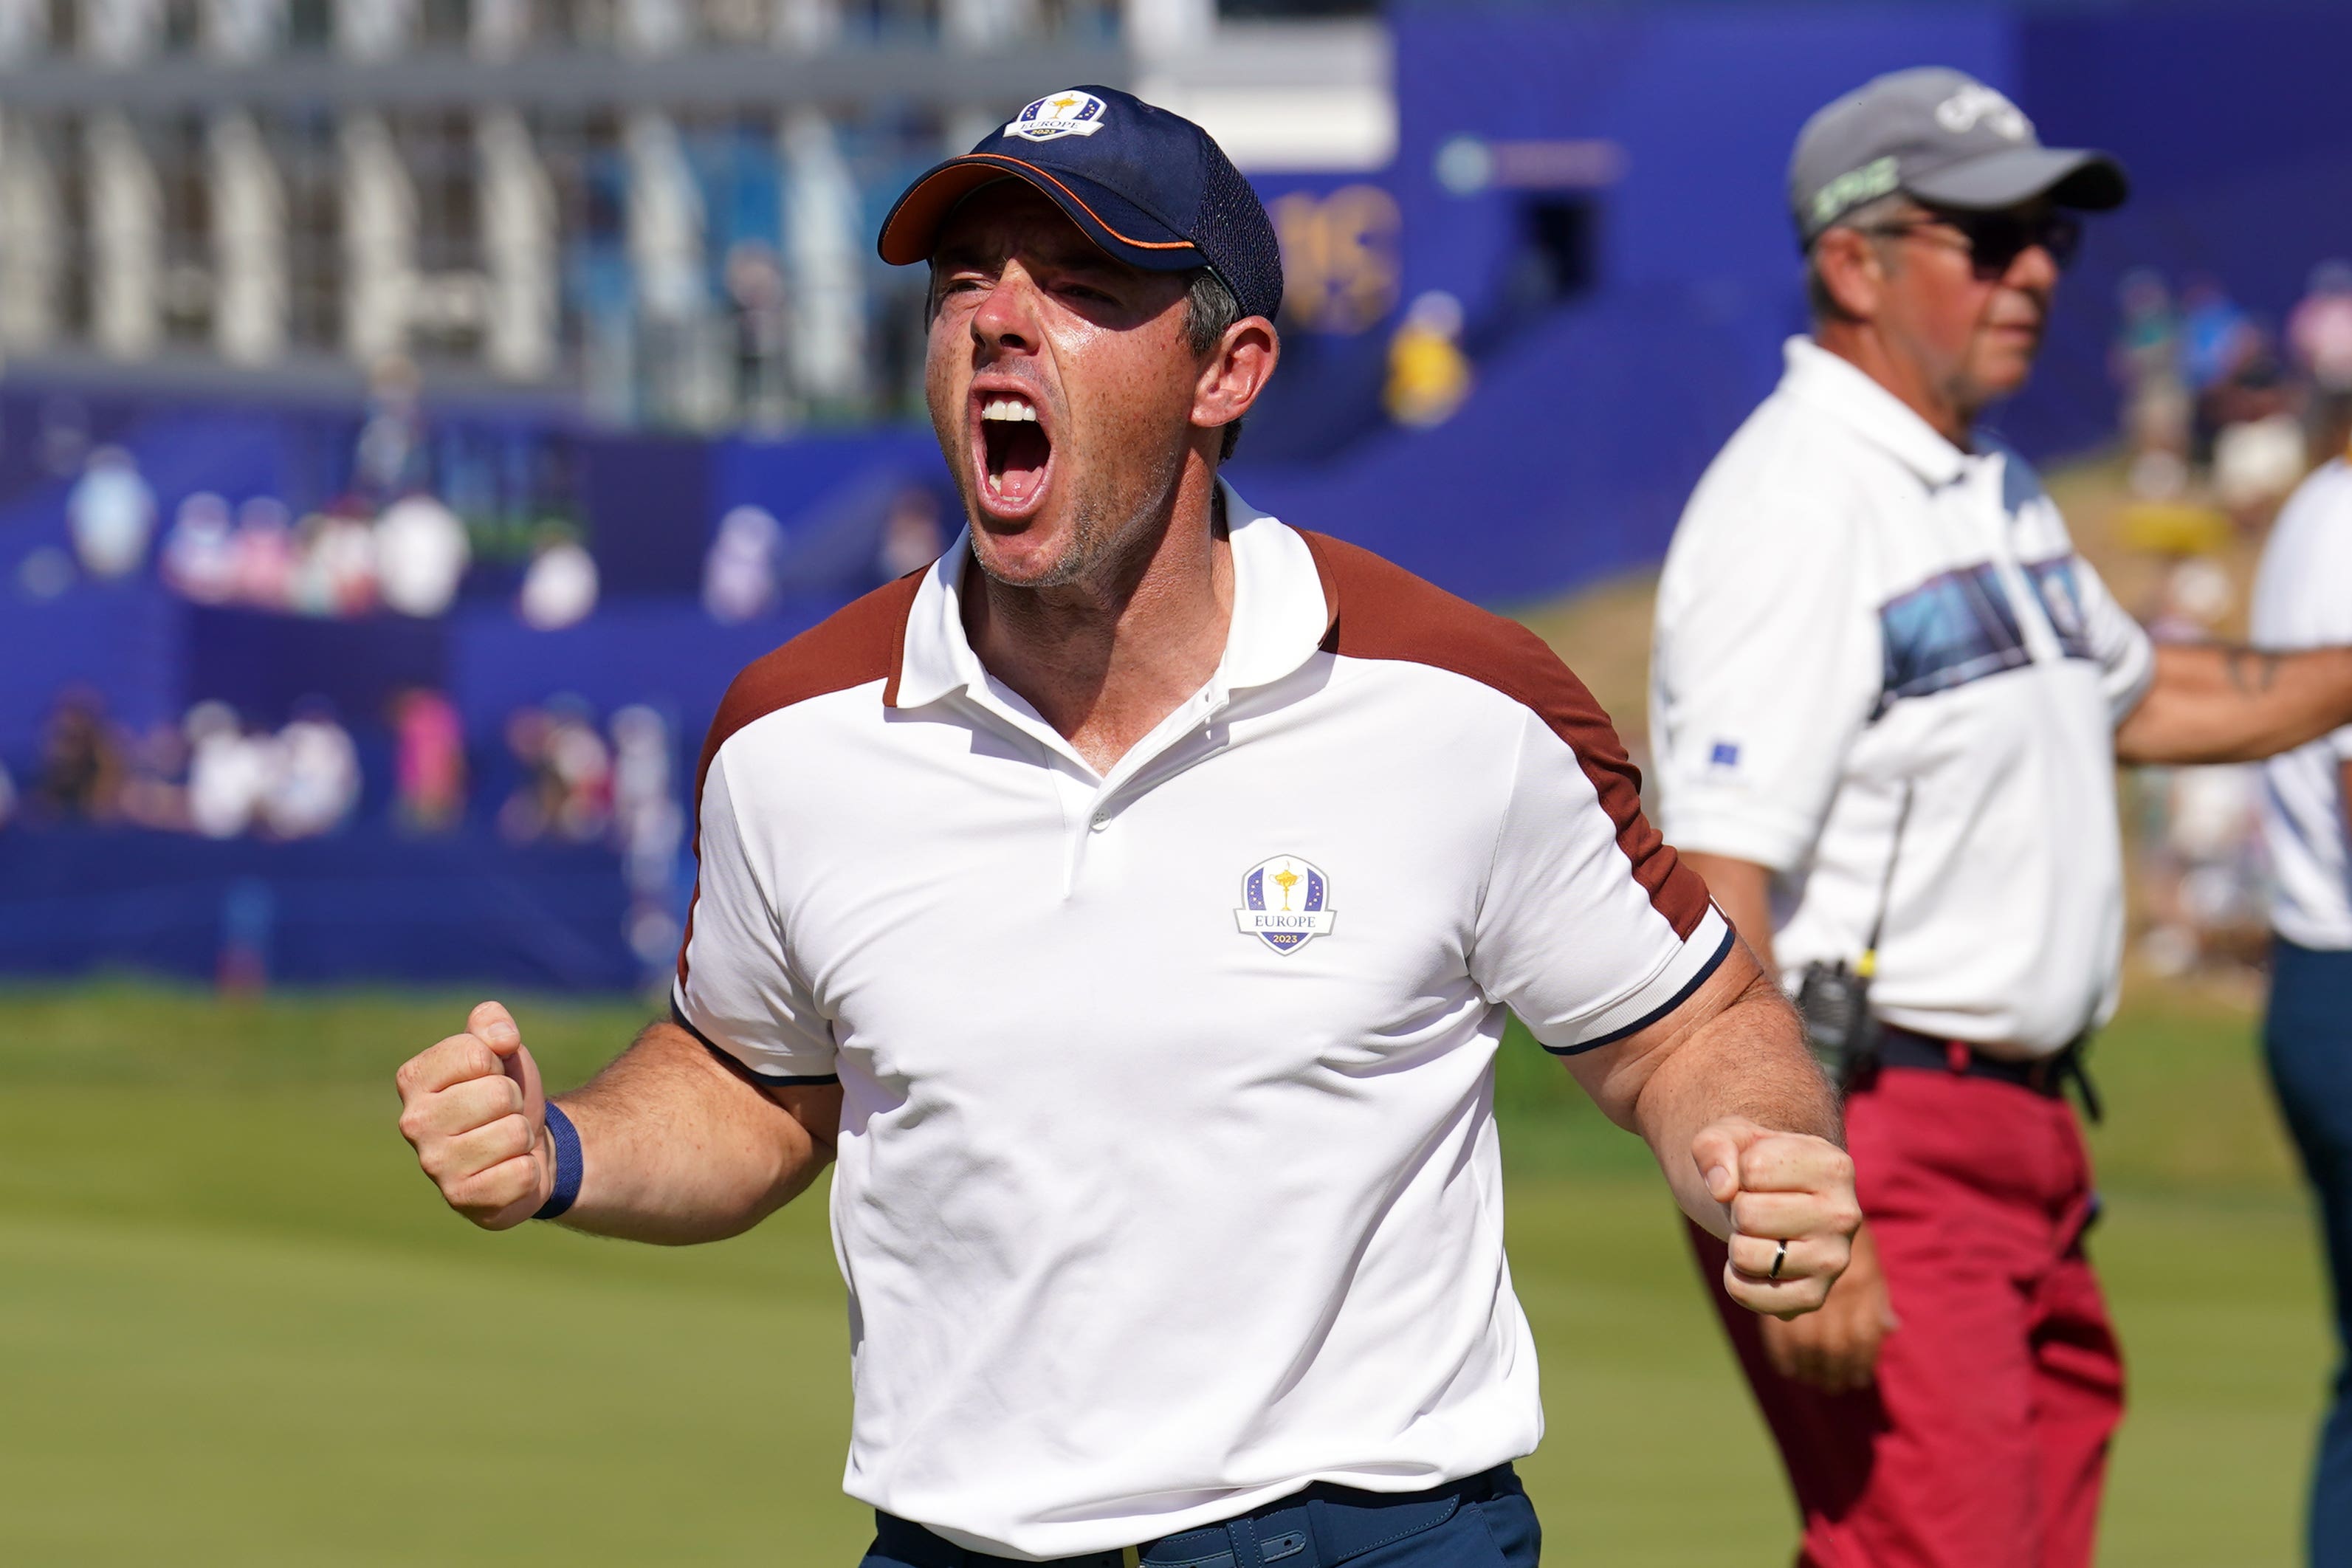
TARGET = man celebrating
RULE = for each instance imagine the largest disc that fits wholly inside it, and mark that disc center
(1129, 903)
(1886, 697)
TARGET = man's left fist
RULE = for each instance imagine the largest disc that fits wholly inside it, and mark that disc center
(1789, 1200)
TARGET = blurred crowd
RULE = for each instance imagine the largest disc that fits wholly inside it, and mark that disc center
(2222, 415)
(2211, 391)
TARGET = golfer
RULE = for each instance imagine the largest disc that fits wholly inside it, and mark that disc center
(1130, 904)
(1887, 699)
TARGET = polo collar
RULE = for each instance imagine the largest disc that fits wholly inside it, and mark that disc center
(1841, 388)
(1279, 617)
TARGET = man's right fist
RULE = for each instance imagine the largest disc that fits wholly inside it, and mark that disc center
(473, 1108)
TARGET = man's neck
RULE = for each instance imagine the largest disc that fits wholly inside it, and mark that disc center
(1866, 351)
(1105, 660)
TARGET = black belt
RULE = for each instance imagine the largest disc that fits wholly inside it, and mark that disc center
(2049, 1075)
(1317, 1528)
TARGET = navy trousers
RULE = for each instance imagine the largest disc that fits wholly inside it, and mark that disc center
(1484, 1522)
(2308, 1041)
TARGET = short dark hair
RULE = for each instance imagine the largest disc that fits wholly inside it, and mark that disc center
(1209, 309)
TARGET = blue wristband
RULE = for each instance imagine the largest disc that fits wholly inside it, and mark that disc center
(566, 1139)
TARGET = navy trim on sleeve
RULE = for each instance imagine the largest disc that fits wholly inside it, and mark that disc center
(1655, 1014)
(772, 1079)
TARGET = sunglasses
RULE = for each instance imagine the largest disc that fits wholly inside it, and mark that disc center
(1996, 239)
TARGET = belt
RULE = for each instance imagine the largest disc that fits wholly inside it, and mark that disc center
(2049, 1075)
(1317, 1528)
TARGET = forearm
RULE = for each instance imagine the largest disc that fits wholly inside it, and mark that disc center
(2211, 703)
(676, 1148)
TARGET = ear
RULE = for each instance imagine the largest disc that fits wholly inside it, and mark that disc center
(1853, 271)
(1235, 372)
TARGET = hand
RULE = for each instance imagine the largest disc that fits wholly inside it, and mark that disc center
(1777, 1188)
(1835, 1350)
(473, 1108)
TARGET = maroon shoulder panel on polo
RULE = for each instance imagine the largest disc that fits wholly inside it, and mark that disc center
(863, 641)
(1382, 611)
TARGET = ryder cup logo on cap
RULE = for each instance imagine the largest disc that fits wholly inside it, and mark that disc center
(1285, 903)
(1068, 113)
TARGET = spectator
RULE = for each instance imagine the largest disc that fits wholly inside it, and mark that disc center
(262, 555)
(739, 575)
(316, 781)
(200, 555)
(559, 587)
(2319, 333)
(2147, 365)
(428, 763)
(80, 776)
(911, 535)
(1429, 375)
(230, 773)
(156, 791)
(420, 555)
(649, 825)
(567, 787)
(7, 795)
(336, 574)
(111, 513)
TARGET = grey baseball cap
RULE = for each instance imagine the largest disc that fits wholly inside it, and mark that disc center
(1942, 137)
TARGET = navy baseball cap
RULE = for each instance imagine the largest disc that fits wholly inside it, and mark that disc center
(1149, 187)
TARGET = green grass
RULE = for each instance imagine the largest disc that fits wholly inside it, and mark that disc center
(236, 1327)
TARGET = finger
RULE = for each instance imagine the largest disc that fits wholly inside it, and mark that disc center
(495, 1027)
(1807, 1257)
(1793, 1161)
(1788, 1215)
(1715, 1151)
(468, 1154)
(498, 1197)
(457, 1059)
(460, 1108)
(1784, 1297)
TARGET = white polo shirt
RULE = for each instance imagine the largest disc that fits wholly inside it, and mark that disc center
(1852, 608)
(2303, 599)
(1168, 1178)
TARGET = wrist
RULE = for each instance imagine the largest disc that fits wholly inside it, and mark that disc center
(560, 1159)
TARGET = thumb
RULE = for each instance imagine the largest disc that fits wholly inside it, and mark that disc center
(491, 1024)
(1716, 1151)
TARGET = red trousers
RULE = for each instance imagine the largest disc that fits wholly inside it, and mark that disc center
(1984, 1442)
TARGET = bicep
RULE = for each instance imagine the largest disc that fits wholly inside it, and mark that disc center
(1615, 1074)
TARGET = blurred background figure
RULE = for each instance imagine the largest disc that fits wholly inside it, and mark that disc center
(81, 773)
(2303, 599)
(1429, 375)
(912, 534)
(560, 586)
(739, 575)
(113, 512)
(316, 781)
(231, 770)
(429, 763)
(421, 556)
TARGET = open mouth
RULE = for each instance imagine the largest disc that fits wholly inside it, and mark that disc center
(1016, 452)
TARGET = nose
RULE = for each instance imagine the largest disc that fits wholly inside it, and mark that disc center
(2034, 271)
(1006, 319)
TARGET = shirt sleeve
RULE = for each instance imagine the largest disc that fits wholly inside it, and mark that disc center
(1767, 663)
(2300, 599)
(1590, 927)
(737, 990)
(2126, 656)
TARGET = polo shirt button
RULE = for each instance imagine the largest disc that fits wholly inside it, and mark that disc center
(1102, 820)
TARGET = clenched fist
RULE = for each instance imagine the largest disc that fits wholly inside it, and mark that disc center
(473, 1108)
(1791, 1200)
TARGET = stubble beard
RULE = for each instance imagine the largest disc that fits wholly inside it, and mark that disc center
(1104, 529)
